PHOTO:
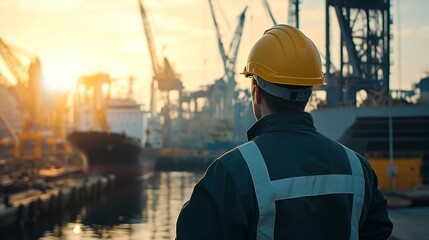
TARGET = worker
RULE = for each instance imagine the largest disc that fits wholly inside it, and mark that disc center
(288, 181)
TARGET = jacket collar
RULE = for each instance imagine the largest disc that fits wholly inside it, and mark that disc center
(282, 121)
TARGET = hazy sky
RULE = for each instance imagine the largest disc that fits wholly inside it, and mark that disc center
(77, 37)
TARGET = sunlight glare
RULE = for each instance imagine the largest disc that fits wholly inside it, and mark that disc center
(61, 72)
(77, 228)
(105, 88)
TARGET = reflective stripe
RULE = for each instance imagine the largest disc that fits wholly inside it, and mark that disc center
(359, 195)
(267, 191)
(261, 178)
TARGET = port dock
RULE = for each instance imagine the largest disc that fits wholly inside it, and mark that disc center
(172, 159)
(403, 198)
(21, 209)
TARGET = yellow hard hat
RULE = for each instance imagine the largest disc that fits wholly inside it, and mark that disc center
(284, 55)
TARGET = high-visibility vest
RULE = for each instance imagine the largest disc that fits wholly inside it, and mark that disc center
(267, 191)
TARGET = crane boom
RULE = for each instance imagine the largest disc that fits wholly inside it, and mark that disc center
(229, 62)
(229, 59)
(19, 90)
(163, 72)
(12, 62)
(267, 6)
(293, 13)
(149, 39)
(4, 82)
(234, 46)
(28, 94)
(219, 38)
(14, 90)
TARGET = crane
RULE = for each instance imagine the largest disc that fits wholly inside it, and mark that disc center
(163, 74)
(93, 95)
(229, 59)
(267, 6)
(57, 121)
(293, 18)
(5, 122)
(27, 92)
(293, 13)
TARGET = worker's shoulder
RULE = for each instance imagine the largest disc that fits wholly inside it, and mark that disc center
(231, 159)
(338, 149)
(366, 166)
(365, 163)
(235, 166)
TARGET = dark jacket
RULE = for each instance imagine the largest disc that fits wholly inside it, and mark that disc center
(223, 204)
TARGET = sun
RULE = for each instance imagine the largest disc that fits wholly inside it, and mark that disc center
(61, 72)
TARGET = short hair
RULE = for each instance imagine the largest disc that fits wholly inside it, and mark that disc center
(277, 104)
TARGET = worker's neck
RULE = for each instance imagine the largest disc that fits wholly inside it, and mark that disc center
(265, 110)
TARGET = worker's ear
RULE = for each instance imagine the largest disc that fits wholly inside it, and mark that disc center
(256, 94)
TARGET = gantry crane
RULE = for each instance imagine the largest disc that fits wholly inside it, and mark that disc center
(93, 93)
(165, 78)
(364, 51)
(163, 73)
(27, 91)
(229, 59)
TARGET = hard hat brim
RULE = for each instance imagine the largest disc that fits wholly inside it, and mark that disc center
(252, 68)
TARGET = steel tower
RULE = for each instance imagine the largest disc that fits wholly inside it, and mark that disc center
(364, 51)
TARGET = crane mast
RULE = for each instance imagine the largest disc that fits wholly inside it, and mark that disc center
(163, 73)
(219, 39)
(293, 18)
(234, 46)
(293, 12)
(28, 94)
(229, 61)
(153, 55)
(164, 76)
(13, 64)
(267, 6)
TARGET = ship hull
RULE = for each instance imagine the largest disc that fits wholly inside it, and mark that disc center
(334, 122)
(112, 153)
(366, 130)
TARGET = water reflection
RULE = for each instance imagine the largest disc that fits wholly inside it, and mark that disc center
(140, 211)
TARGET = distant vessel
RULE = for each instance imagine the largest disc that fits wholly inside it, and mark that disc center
(126, 150)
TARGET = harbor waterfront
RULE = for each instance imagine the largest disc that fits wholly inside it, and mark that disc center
(150, 210)
(132, 211)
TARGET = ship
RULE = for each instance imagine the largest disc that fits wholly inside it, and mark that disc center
(128, 150)
(114, 153)
(367, 130)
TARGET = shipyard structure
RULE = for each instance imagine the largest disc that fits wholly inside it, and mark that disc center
(90, 130)
(357, 106)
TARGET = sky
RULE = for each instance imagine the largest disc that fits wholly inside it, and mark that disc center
(83, 37)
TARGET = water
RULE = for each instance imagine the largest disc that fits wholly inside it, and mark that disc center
(150, 210)
(140, 211)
